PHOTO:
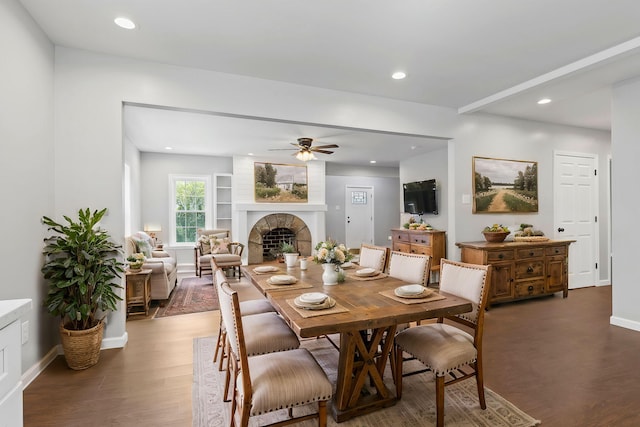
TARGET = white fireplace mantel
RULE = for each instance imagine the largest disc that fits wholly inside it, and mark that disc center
(281, 207)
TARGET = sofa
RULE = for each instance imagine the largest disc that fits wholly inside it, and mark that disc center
(228, 255)
(164, 271)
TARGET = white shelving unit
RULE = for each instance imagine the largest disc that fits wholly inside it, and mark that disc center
(222, 200)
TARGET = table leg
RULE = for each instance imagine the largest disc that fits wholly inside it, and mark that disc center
(363, 358)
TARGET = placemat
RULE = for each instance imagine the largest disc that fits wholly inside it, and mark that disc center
(312, 313)
(300, 285)
(278, 271)
(389, 293)
(376, 277)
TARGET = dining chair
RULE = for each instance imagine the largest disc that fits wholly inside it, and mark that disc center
(267, 333)
(269, 382)
(248, 307)
(412, 268)
(445, 349)
(373, 256)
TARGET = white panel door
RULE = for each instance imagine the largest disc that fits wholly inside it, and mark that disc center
(358, 216)
(575, 202)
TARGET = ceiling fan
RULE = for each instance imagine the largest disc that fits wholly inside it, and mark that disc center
(305, 150)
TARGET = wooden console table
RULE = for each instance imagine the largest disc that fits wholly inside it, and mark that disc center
(522, 269)
(138, 291)
(426, 242)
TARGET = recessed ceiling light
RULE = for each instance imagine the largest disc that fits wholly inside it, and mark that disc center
(544, 101)
(372, 161)
(168, 148)
(125, 23)
(250, 154)
(398, 75)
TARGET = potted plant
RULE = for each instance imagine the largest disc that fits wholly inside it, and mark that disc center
(290, 253)
(82, 268)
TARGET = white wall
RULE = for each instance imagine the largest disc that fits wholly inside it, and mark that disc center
(626, 205)
(27, 169)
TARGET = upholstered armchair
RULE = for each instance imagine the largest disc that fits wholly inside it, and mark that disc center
(164, 271)
(216, 243)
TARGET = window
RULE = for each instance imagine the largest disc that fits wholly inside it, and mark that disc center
(191, 206)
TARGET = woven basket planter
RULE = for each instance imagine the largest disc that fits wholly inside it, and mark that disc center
(82, 348)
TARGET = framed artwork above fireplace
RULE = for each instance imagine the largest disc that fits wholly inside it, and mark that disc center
(280, 183)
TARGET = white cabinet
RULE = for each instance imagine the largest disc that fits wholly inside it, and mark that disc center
(222, 200)
(11, 361)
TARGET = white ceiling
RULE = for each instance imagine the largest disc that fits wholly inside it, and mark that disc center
(492, 56)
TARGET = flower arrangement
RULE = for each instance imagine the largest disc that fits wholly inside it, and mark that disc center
(331, 252)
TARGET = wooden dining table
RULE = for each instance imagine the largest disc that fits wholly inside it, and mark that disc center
(366, 316)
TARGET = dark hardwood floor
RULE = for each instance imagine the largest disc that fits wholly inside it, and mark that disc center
(557, 359)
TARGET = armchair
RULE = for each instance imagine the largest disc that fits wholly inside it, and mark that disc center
(227, 255)
(164, 271)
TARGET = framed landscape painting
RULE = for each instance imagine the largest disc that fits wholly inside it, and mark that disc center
(278, 183)
(504, 186)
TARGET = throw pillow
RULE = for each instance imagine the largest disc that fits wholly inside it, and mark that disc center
(205, 246)
(219, 246)
(144, 247)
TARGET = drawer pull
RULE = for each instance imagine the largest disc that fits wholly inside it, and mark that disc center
(531, 253)
(530, 288)
(501, 256)
(557, 251)
(529, 269)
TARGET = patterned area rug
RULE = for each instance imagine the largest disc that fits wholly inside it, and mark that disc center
(193, 295)
(416, 408)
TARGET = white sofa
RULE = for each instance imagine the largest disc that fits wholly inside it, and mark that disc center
(164, 271)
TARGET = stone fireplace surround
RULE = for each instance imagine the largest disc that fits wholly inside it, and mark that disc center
(270, 222)
(310, 224)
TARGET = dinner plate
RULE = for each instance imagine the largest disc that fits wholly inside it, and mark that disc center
(328, 303)
(424, 294)
(265, 269)
(347, 264)
(365, 272)
(312, 298)
(413, 289)
(281, 279)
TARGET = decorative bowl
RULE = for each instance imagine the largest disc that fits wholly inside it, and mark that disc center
(495, 236)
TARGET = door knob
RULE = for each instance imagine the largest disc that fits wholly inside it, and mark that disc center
(560, 229)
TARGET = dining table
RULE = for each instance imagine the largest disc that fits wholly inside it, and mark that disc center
(365, 312)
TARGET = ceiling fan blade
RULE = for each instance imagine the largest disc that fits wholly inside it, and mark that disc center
(283, 149)
(327, 146)
(295, 145)
(321, 151)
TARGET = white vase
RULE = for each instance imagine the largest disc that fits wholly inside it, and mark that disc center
(290, 259)
(330, 274)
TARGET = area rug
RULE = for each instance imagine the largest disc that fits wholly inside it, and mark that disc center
(193, 295)
(416, 408)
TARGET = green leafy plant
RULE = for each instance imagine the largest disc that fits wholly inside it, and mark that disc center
(81, 265)
(287, 248)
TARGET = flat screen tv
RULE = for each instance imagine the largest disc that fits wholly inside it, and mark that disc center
(420, 197)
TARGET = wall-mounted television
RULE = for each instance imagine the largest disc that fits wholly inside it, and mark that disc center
(420, 197)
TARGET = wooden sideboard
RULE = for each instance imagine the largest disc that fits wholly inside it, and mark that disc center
(426, 242)
(522, 269)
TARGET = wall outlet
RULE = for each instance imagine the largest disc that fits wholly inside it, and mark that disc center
(25, 331)
(389, 237)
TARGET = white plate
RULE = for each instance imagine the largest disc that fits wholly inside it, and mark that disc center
(414, 289)
(282, 278)
(347, 264)
(313, 298)
(366, 272)
(265, 269)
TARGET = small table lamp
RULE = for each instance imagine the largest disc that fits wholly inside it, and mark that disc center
(152, 231)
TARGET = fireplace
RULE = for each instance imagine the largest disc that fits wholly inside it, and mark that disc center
(272, 229)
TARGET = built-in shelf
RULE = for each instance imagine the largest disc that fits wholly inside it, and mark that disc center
(222, 200)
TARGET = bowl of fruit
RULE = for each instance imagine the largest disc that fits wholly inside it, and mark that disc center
(495, 233)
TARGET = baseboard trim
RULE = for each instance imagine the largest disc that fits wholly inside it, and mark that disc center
(115, 342)
(625, 323)
(35, 370)
(605, 282)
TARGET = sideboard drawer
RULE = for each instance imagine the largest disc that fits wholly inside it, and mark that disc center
(401, 247)
(529, 269)
(421, 249)
(557, 250)
(530, 253)
(400, 236)
(422, 239)
(529, 288)
(500, 256)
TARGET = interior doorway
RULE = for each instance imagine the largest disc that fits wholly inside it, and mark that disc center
(359, 218)
(575, 213)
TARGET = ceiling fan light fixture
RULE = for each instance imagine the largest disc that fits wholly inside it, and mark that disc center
(544, 101)
(125, 23)
(305, 156)
(398, 75)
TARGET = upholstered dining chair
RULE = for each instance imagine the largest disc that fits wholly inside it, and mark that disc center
(269, 382)
(412, 268)
(451, 353)
(267, 332)
(373, 256)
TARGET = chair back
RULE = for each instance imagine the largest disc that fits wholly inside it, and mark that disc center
(468, 281)
(373, 256)
(412, 268)
(218, 274)
(236, 248)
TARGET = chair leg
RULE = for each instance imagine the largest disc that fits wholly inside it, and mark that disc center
(398, 371)
(440, 401)
(480, 384)
(322, 413)
(219, 343)
(224, 353)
